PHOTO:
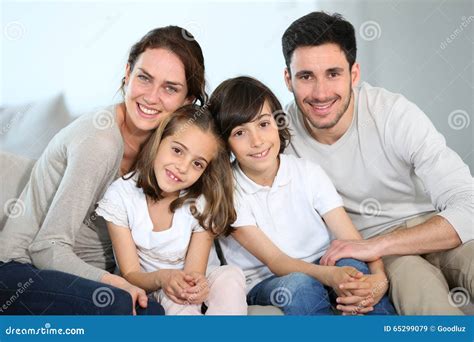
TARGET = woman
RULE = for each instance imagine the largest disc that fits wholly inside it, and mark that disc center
(59, 248)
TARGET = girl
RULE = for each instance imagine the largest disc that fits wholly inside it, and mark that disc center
(58, 246)
(163, 217)
(283, 206)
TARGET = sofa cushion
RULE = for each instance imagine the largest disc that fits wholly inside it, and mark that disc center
(15, 172)
(27, 129)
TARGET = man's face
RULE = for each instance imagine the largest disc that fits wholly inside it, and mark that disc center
(321, 82)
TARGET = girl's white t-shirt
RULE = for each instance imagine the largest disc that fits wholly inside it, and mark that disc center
(125, 205)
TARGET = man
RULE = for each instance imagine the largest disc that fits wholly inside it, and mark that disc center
(410, 195)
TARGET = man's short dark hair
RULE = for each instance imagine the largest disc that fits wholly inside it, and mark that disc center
(318, 28)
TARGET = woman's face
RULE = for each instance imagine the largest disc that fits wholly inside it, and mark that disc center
(155, 88)
(183, 157)
(256, 144)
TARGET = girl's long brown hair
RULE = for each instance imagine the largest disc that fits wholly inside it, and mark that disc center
(215, 184)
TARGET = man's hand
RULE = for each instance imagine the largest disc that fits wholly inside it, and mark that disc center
(364, 250)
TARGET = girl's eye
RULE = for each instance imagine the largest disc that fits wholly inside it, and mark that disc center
(238, 133)
(199, 165)
(176, 150)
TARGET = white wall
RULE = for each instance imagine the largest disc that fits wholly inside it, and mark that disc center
(422, 49)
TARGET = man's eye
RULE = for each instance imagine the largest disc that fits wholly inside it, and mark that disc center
(143, 78)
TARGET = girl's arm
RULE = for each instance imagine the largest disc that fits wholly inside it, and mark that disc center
(127, 259)
(195, 267)
(198, 252)
(258, 244)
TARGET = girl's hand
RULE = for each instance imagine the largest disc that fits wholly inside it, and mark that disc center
(173, 283)
(199, 290)
(138, 295)
(366, 297)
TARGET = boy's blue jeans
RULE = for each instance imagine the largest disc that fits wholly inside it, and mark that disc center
(301, 294)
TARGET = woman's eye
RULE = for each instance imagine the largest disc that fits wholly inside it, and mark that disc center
(171, 90)
(265, 123)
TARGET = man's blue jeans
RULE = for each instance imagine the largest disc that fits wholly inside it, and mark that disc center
(301, 294)
(26, 290)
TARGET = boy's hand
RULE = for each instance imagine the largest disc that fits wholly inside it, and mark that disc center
(367, 292)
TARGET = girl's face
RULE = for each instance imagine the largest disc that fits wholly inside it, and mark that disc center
(155, 88)
(256, 144)
(182, 158)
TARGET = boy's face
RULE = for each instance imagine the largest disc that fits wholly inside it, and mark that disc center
(321, 82)
(256, 144)
(182, 158)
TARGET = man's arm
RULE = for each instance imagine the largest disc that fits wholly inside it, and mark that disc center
(436, 234)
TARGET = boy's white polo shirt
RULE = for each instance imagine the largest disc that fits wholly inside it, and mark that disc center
(289, 213)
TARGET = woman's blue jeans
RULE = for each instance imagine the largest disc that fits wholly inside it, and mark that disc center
(26, 290)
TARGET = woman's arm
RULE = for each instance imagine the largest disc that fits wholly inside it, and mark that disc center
(90, 165)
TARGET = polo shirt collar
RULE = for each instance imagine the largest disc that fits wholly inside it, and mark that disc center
(249, 186)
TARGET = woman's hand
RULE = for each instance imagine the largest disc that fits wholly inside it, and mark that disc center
(174, 284)
(138, 295)
(199, 290)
